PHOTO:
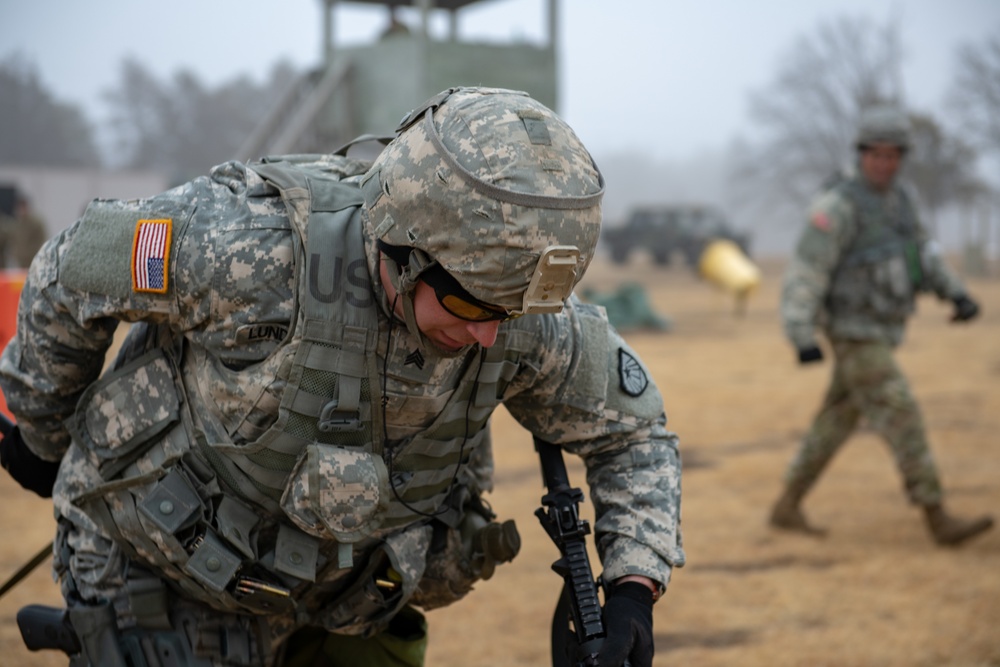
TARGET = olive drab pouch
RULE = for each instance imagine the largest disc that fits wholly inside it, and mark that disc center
(119, 417)
(337, 492)
(893, 286)
(385, 583)
(879, 283)
(880, 271)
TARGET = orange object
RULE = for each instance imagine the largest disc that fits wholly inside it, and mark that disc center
(11, 282)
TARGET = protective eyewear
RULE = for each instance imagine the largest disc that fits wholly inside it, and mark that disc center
(457, 301)
(449, 292)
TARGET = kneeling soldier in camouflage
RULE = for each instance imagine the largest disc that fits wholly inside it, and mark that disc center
(288, 457)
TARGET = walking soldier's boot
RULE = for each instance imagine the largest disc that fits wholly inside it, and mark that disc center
(787, 515)
(950, 531)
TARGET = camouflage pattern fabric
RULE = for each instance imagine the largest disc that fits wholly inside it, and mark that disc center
(481, 201)
(861, 300)
(868, 385)
(815, 267)
(225, 296)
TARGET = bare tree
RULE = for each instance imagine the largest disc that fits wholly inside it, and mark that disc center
(37, 128)
(974, 100)
(975, 93)
(941, 167)
(807, 116)
(181, 126)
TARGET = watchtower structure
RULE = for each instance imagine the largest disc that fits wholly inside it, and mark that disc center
(366, 89)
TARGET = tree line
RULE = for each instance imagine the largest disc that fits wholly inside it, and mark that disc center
(807, 115)
(178, 126)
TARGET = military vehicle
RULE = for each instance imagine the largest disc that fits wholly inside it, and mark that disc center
(664, 231)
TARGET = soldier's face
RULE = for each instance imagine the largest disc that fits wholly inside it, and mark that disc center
(448, 332)
(879, 164)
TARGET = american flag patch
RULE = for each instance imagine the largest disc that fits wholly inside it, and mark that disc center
(150, 256)
(820, 221)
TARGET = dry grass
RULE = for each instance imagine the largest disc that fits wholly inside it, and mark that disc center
(875, 593)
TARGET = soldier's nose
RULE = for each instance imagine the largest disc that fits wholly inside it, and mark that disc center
(485, 333)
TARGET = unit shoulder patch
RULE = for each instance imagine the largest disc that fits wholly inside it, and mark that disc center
(631, 375)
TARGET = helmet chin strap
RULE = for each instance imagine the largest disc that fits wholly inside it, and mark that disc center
(404, 280)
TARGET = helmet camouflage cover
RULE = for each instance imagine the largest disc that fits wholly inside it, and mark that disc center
(484, 181)
(883, 124)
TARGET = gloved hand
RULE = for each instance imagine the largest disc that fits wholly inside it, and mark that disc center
(628, 622)
(31, 472)
(810, 354)
(965, 309)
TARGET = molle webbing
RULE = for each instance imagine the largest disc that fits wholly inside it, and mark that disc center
(333, 391)
(329, 394)
(424, 466)
(879, 234)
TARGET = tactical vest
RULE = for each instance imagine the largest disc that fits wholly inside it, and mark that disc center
(312, 497)
(880, 272)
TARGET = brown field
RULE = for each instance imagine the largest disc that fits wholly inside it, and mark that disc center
(876, 592)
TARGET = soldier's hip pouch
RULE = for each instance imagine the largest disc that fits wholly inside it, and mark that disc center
(188, 636)
(374, 596)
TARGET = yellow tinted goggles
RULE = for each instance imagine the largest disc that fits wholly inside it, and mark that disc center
(449, 292)
(457, 301)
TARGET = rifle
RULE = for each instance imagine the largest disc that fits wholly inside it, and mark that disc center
(577, 625)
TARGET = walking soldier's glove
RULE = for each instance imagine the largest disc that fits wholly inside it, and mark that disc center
(628, 622)
(27, 469)
(965, 309)
(810, 354)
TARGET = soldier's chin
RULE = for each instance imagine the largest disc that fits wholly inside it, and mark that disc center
(447, 352)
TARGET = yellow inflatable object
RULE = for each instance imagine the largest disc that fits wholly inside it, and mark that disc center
(723, 264)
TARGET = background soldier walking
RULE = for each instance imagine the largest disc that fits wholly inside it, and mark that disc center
(855, 273)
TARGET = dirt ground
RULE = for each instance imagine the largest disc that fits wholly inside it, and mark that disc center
(876, 592)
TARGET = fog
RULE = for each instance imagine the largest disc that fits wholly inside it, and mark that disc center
(658, 89)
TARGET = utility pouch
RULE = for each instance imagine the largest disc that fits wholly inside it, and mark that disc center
(97, 629)
(118, 417)
(460, 557)
(914, 264)
(376, 592)
(336, 492)
(373, 596)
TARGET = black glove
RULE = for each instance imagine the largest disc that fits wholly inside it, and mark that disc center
(628, 622)
(25, 467)
(807, 355)
(965, 309)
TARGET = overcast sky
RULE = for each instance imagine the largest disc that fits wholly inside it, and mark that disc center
(669, 77)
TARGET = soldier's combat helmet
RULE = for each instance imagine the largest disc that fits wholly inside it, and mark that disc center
(883, 124)
(495, 188)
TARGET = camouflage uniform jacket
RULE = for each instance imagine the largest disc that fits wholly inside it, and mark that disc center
(858, 266)
(225, 295)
